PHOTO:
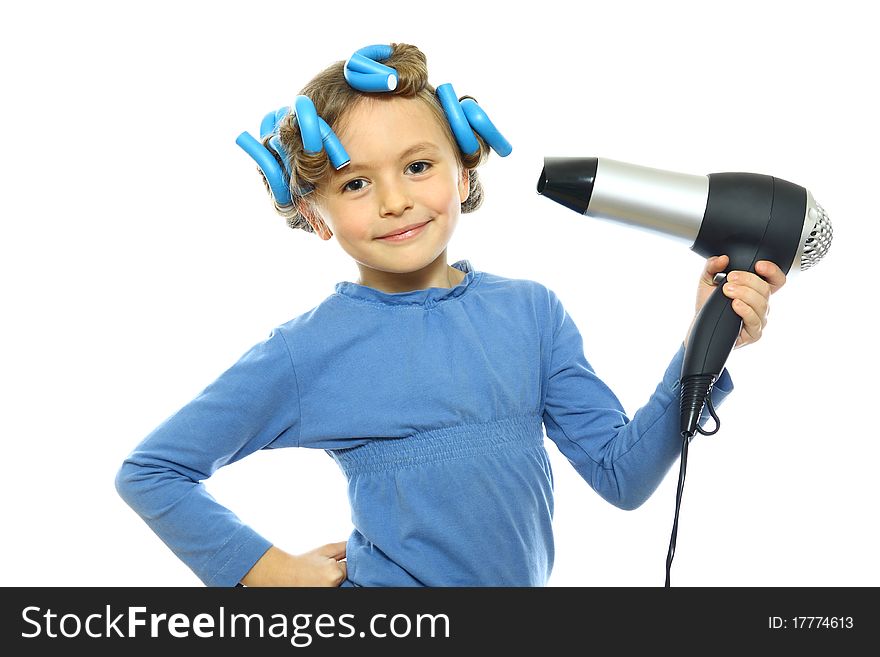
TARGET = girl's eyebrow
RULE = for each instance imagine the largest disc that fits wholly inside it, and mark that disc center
(421, 146)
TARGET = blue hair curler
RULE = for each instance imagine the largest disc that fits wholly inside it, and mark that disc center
(275, 175)
(278, 176)
(270, 126)
(364, 72)
(272, 121)
(467, 117)
(316, 135)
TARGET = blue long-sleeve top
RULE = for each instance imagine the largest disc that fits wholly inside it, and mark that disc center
(434, 403)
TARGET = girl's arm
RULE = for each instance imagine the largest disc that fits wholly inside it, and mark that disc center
(252, 405)
(623, 459)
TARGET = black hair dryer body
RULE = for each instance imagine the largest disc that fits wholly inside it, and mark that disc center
(747, 216)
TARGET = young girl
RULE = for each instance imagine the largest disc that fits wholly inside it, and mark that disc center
(432, 386)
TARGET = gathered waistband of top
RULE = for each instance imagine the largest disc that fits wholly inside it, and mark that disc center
(438, 445)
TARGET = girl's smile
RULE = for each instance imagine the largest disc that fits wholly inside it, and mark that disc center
(405, 234)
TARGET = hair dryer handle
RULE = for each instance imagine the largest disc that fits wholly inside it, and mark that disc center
(712, 338)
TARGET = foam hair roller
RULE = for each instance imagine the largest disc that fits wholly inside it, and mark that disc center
(465, 118)
(275, 176)
(364, 72)
(270, 126)
(272, 120)
(479, 121)
(317, 135)
(307, 118)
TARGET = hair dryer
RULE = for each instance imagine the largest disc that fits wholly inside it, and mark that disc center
(747, 216)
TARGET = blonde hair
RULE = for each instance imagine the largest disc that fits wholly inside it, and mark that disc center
(333, 98)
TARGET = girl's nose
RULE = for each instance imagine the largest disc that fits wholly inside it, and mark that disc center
(394, 199)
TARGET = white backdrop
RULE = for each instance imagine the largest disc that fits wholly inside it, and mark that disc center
(141, 257)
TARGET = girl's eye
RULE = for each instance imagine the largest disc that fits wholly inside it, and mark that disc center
(355, 185)
(358, 184)
(419, 167)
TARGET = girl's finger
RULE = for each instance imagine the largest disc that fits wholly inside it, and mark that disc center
(771, 273)
(752, 325)
(754, 300)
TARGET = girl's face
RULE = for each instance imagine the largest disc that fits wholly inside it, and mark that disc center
(403, 172)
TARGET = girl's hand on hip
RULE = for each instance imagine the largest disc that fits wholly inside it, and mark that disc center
(323, 566)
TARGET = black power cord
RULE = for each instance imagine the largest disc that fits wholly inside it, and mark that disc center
(686, 438)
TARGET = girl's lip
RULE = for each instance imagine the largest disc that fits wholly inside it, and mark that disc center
(401, 237)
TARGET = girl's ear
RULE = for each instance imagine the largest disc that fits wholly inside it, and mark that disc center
(464, 184)
(311, 214)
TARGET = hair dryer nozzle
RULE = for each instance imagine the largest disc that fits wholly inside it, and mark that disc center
(569, 181)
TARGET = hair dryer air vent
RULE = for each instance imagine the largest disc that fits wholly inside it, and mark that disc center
(818, 241)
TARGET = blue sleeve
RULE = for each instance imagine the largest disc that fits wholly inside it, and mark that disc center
(252, 405)
(622, 459)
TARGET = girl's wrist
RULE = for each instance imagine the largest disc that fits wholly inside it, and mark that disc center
(268, 569)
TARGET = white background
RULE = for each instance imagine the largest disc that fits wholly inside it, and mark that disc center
(141, 257)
